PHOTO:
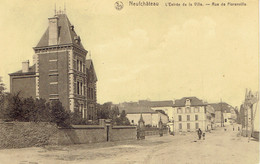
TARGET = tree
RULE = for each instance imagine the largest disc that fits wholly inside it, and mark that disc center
(122, 119)
(29, 110)
(14, 109)
(2, 96)
(103, 111)
(43, 113)
(2, 89)
(58, 114)
(113, 114)
(76, 118)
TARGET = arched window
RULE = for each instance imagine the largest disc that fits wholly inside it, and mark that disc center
(179, 110)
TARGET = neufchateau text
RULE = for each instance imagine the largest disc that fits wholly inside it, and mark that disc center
(169, 4)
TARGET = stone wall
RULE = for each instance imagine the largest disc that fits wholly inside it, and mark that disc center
(81, 134)
(155, 131)
(119, 133)
(28, 134)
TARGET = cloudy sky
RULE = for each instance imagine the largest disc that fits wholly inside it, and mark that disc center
(155, 53)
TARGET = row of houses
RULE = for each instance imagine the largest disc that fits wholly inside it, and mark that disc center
(182, 115)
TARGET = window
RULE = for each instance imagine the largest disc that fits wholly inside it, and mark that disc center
(197, 125)
(187, 110)
(91, 93)
(77, 65)
(188, 126)
(80, 66)
(197, 110)
(81, 88)
(180, 119)
(188, 117)
(180, 125)
(132, 121)
(187, 102)
(196, 117)
(77, 87)
(179, 110)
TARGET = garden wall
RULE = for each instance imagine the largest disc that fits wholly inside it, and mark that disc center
(28, 134)
(155, 131)
(119, 133)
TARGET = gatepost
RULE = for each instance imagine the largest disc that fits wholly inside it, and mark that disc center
(160, 124)
(141, 128)
(108, 128)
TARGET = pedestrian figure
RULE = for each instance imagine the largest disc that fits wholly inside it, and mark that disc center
(238, 128)
(199, 133)
(203, 135)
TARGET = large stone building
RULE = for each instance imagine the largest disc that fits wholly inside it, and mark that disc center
(189, 114)
(60, 70)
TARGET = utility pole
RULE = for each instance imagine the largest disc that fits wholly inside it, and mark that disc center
(254, 100)
(222, 117)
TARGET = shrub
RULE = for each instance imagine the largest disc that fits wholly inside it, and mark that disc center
(58, 114)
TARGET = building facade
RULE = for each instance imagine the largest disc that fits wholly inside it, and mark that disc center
(189, 114)
(224, 114)
(60, 70)
(151, 118)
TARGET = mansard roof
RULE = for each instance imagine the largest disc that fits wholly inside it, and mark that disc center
(67, 33)
(193, 100)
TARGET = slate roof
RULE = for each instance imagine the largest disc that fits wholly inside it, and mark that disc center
(167, 103)
(193, 100)
(20, 73)
(136, 109)
(139, 110)
(224, 106)
(66, 34)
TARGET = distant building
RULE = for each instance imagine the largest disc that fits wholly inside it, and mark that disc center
(151, 117)
(189, 114)
(210, 118)
(224, 114)
(60, 70)
(165, 106)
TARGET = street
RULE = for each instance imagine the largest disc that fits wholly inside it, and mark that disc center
(219, 147)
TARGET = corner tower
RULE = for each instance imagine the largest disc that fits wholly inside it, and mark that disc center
(61, 66)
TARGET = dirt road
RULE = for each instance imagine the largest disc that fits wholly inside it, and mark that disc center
(219, 147)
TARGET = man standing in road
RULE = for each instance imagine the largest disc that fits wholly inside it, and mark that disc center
(199, 133)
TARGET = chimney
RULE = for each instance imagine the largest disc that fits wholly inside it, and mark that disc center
(25, 66)
(53, 31)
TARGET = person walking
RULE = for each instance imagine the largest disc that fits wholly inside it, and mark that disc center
(203, 135)
(199, 133)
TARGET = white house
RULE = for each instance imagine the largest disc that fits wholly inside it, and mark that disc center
(150, 117)
(189, 114)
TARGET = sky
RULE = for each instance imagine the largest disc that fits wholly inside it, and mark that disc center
(155, 53)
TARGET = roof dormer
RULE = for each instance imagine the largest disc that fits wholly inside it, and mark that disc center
(187, 102)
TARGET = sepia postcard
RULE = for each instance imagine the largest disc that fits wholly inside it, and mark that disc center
(129, 82)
